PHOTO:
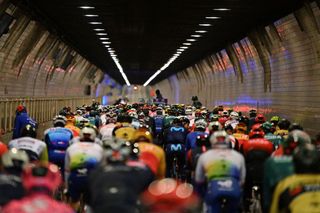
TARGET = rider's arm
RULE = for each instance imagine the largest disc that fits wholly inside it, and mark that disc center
(44, 155)
(242, 171)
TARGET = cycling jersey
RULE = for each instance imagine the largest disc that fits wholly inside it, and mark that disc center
(107, 130)
(192, 139)
(233, 123)
(297, 193)
(275, 139)
(36, 203)
(154, 157)
(175, 135)
(21, 120)
(218, 163)
(11, 188)
(167, 120)
(57, 140)
(36, 149)
(75, 130)
(241, 139)
(125, 132)
(158, 123)
(282, 132)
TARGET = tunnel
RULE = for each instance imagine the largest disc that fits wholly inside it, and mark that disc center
(241, 54)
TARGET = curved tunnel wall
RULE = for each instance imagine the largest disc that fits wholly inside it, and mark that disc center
(275, 69)
(34, 62)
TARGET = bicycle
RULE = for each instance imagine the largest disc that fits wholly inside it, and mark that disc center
(255, 206)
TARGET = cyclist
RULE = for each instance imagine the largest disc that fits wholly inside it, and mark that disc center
(81, 158)
(200, 128)
(300, 192)
(279, 166)
(158, 125)
(57, 140)
(275, 139)
(256, 150)
(12, 163)
(114, 186)
(36, 149)
(152, 155)
(252, 118)
(125, 130)
(234, 117)
(174, 142)
(283, 125)
(178, 198)
(260, 119)
(3, 148)
(214, 126)
(220, 173)
(240, 135)
(21, 120)
(40, 181)
(274, 121)
(70, 124)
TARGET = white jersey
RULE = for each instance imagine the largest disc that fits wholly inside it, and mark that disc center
(220, 162)
(77, 140)
(82, 155)
(233, 123)
(29, 144)
(103, 119)
(107, 130)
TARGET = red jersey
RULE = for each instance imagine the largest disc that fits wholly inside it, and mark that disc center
(257, 144)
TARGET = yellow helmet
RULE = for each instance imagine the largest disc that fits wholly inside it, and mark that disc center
(143, 135)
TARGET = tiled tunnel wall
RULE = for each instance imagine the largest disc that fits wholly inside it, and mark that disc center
(275, 69)
(36, 63)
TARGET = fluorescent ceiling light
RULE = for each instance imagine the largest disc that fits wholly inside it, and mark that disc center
(111, 51)
(102, 34)
(188, 44)
(201, 31)
(213, 17)
(179, 52)
(91, 15)
(191, 39)
(86, 7)
(99, 29)
(196, 36)
(116, 61)
(105, 42)
(104, 38)
(221, 9)
(205, 25)
(106, 45)
(183, 47)
(180, 49)
(95, 22)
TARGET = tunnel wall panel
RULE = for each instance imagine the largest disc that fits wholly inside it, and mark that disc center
(291, 89)
(32, 63)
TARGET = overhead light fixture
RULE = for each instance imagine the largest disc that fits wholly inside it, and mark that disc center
(213, 17)
(105, 42)
(180, 49)
(201, 31)
(116, 61)
(106, 45)
(196, 36)
(179, 52)
(99, 29)
(205, 25)
(91, 15)
(188, 44)
(86, 7)
(101, 34)
(111, 51)
(191, 39)
(221, 9)
(104, 38)
(184, 47)
(95, 22)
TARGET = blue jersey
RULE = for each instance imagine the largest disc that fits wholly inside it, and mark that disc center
(176, 135)
(192, 139)
(57, 140)
(158, 123)
(21, 120)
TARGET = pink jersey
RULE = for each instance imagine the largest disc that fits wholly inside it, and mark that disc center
(37, 203)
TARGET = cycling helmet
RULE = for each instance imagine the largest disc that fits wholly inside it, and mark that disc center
(244, 119)
(215, 126)
(29, 131)
(256, 133)
(176, 121)
(184, 120)
(169, 195)
(71, 119)
(295, 138)
(225, 113)
(117, 151)
(284, 124)
(41, 176)
(260, 119)
(252, 113)
(200, 124)
(267, 127)
(59, 121)
(143, 135)
(14, 159)
(275, 119)
(88, 133)
(188, 112)
(234, 115)
(133, 114)
(241, 127)
(3, 148)
(21, 108)
(219, 139)
(306, 159)
(214, 117)
(295, 126)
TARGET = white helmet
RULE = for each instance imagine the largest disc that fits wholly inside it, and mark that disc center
(220, 139)
(88, 134)
(188, 112)
(133, 114)
(215, 126)
(225, 113)
(59, 119)
(14, 158)
(234, 115)
(201, 124)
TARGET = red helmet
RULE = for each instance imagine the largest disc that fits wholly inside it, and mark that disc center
(168, 195)
(260, 119)
(21, 108)
(256, 133)
(3, 148)
(41, 175)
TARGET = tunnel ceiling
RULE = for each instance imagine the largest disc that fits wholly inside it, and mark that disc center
(146, 33)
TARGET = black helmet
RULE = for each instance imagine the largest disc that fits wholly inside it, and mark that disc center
(29, 131)
(176, 121)
(295, 126)
(306, 159)
(284, 124)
